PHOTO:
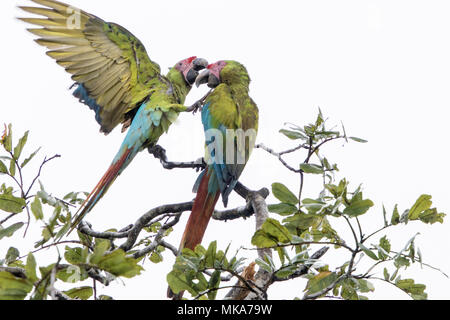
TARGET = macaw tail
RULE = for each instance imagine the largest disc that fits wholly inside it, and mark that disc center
(207, 195)
(99, 191)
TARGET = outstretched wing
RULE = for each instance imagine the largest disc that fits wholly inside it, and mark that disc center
(110, 65)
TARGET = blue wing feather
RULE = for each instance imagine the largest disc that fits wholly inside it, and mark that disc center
(225, 181)
(83, 96)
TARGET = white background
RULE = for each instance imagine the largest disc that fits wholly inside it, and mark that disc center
(380, 67)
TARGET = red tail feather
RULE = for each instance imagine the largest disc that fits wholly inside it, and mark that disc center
(202, 211)
(100, 189)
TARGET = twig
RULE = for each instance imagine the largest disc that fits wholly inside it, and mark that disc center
(8, 217)
(40, 170)
(279, 155)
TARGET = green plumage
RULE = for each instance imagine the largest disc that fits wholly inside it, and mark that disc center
(110, 62)
(230, 107)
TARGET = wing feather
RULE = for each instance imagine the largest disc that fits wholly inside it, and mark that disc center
(110, 62)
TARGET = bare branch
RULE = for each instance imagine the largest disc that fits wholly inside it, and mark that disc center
(39, 172)
(279, 155)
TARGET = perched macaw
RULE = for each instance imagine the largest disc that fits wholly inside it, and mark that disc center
(230, 116)
(114, 77)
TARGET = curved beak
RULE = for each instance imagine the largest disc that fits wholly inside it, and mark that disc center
(199, 64)
(191, 72)
(207, 77)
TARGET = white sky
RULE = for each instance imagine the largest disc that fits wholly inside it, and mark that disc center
(381, 67)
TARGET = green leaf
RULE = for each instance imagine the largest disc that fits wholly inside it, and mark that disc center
(156, 257)
(11, 255)
(275, 229)
(385, 244)
(384, 248)
(30, 268)
(262, 240)
(365, 286)
(7, 139)
(72, 274)
(395, 216)
(311, 168)
(386, 274)
(301, 220)
(13, 288)
(8, 232)
(285, 272)
(214, 283)
(18, 149)
(422, 204)
(431, 216)
(357, 208)
(178, 282)
(100, 248)
(83, 293)
(12, 167)
(358, 139)
(11, 204)
(118, 264)
(385, 216)
(264, 265)
(320, 282)
(25, 162)
(283, 209)
(416, 291)
(313, 206)
(3, 168)
(293, 135)
(282, 193)
(210, 255)
(36, 209)
(401, 262)
(76, 255)
(368, 252)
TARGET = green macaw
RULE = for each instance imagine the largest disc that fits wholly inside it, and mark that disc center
(230, 121)
(114, 77)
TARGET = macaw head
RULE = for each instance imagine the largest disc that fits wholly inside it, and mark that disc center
(190, 67)
(224, 71)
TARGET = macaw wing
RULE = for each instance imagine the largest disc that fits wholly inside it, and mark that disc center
(111, 66)
(221, 120)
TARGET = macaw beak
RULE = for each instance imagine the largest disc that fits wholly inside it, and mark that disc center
(207, 77)
(199, 64)
(192, 72)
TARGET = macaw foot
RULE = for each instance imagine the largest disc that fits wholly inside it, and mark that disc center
(196, 107)
(158, 152)
(199, 104)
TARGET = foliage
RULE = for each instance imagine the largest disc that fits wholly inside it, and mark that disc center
(293, 231)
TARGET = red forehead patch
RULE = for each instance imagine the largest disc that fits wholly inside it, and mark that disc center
(189, 60)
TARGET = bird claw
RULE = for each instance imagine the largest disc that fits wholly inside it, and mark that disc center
(196, 107)
(157, 151)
